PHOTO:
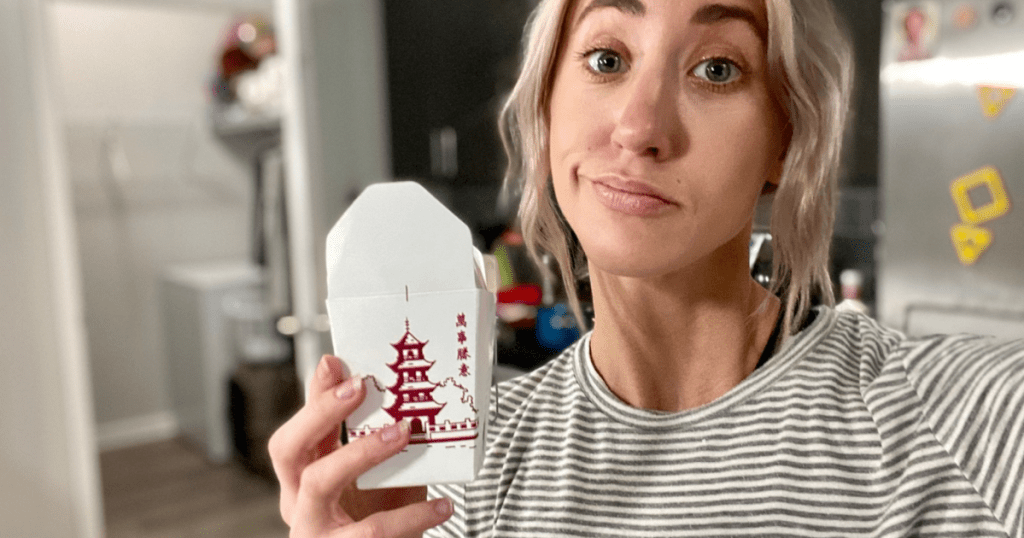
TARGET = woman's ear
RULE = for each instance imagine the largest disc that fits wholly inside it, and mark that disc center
(772, 184)
(775, 176)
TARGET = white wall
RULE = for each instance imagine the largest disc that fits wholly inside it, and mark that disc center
(152, 186)
(48, 468)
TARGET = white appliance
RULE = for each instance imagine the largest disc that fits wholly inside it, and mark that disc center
(200, 351)
(952, 169)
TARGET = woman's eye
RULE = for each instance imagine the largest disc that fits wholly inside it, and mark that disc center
(605, 62)
(717, 70)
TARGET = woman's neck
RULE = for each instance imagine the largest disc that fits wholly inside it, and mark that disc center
(679, 342)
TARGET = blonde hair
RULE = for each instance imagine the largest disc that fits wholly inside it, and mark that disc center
(811, 70)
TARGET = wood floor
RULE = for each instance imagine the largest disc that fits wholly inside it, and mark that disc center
(169, 490)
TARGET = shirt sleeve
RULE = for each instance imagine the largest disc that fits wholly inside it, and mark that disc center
(973, 389)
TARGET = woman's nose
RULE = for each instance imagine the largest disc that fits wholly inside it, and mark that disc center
(649, 122)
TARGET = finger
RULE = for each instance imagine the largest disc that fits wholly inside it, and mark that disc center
(328, 444)
(410, 520)
(328, 373)
(322, 481)
(360, 504)
(316, 422)
(312, 432)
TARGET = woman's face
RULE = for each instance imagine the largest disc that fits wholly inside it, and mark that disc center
(663, 132)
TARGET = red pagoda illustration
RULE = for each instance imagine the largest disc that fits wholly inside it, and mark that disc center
(414, 401)
(412, 388)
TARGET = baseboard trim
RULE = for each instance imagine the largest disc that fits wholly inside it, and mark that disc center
(135, 431)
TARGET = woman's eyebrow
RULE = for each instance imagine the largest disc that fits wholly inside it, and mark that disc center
(629, 7)
(706, 14)
(717, 13)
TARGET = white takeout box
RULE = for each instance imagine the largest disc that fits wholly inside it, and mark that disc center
(410, 308)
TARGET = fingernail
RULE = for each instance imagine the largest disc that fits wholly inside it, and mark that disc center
(394, 431)
(348, 388)
(443, 507)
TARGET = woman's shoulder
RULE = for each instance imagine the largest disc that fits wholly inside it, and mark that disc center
(859, 337)
(964, 366)
(850, 339)
(957, 376)
(968, 390)
(965, 392)
(937, 357)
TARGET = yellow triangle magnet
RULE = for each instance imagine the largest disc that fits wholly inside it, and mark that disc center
(970, 242)
(994, 100)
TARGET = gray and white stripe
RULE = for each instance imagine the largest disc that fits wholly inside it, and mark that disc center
(851, 430)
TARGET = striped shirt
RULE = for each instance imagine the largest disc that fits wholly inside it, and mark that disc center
(851, 430)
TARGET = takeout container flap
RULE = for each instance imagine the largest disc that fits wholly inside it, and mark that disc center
(396, 230)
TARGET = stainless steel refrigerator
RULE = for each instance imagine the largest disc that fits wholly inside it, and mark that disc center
(951, 252)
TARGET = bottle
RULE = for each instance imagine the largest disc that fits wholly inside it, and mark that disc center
(851, 282)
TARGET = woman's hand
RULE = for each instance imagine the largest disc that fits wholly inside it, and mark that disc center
(317, 474)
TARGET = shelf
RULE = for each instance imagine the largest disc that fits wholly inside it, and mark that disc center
(247, 135)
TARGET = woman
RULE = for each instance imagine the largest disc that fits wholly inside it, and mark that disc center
(644, 132)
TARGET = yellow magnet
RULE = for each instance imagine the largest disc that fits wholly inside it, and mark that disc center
(994, 100)
(989, 178)
(970, 242)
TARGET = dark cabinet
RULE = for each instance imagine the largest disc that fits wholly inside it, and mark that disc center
(450, 65)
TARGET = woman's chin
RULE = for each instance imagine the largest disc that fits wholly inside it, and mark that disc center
(638, 259)
(632, 264)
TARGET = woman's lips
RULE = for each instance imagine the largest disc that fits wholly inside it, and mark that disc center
(630, 197)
